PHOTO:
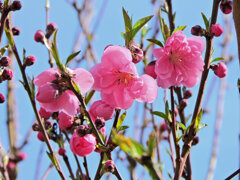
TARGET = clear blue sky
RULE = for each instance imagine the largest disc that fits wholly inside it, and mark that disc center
(32, 18)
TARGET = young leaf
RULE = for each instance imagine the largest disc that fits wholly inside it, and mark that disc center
(3, 50)
(138, 25)
(181, 28)
(52, 158)
(160, 114)
(144, 31)
(71, 57)
(89, 96)
(155, 41)
(120, 120)
(123, 128)
(127, 20)
(182, 126)
(161, 22)
(201, 126)
(198, 120)
(206, 22)
(217, 59)
(151, 143)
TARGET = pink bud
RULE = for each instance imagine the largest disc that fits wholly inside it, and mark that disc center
(226, 6)
(46, 94)
(39, 36)
(40, 136)
(2, 98)
(11, 166)
(150, 69)
(137, 53)
(21, 156)
(44, 114)
(82, 146)
(5, 61)
(7, 74)
(30, 60)
(82, 130)
(183, 103)
(16, 31)
(99, 122)
(50, 29)
(101, 109)
(217, 30)
(16, 5)
(109, 166)
(196, 30)
(62, 151)
(65, 120)
(163, 126)
(220, 70)
(187, 94)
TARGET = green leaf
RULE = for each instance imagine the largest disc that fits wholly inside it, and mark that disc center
(179, 138)
(102, 147)
(76, 87)
(206, 22)
(89, 96)
(182, 125)
(52, 158)
(160, 114)
(161, 22)
(151, 143)
(138, 25)
(198, 120)
(32, 87)
(123, 128)
(155, 41)
(144, 31)
(167, 112)
(71, 57)
(181, 28)
(120, 120)
(217, 59)
(5, 160)
(3, 50)
(9, 36)
(127, 20)
(123, 35)
(201, 126)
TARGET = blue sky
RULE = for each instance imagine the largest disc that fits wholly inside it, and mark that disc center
(32, 18)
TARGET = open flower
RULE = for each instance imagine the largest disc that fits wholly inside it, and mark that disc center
(117, 79)
(53, 94)
(180, 61)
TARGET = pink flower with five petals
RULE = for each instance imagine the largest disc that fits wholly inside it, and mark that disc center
(180, 61)
(117, 79)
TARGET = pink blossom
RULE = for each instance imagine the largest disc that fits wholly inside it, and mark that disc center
(217, 30)
(44, 114)
(82, 146)
(65, 120)
(220, 70)
(53, 94)
(117, 79)
(101, 109)
(150, 70)
(180, 61)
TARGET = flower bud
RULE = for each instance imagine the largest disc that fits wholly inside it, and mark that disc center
(163, 126)
(16, 31)
(21, 156)
(39, 36)
(62, 151)
(109, 166)
(11, 166)
(101, 109)
(2, 98)
(220, 69)
(35, 127)
(216, 30)
(82, 130)
(226, 6)
(183, 103)
(65, 120)
(195, 140)
(40, 136)
(48, 124)
(99, 122)
(150, 69)
(137, 53)
(7, 74)
(196, 30)
(16, 5)
(5, 61)
(187, 94)
(30, 60)
(44, 114)
(50, 29)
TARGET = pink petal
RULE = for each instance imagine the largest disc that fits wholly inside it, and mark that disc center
(96, 73)
(149, 91)
(158, 52)
(198, 42)
(46, 76)
(46, 94)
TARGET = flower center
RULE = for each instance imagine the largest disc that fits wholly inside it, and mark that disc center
(124, 78)
(175, 58)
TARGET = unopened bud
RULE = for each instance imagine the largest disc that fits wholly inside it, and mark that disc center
(2, 98)
(16, 5)
(99, 122)
(216, 30)
(187, 94)
(30, 60)
(39, 36)
(50, 29)
(183, 103)
(40, 136)
(35, 127)
(109, 166)
(163, 126)
(220, 69)
(5, 61)
(226, 6)
(7, 74)
(137, 53)
(16, 31)
(196, 30)
(195, 140)
(21, 156)
(82, 130)
(150, 69)
(48, 124)
(62, 151)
